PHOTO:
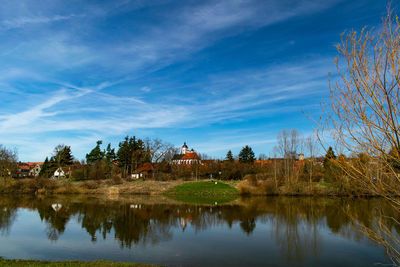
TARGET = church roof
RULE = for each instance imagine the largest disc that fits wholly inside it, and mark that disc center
(177, 156)
(191, 155)
(184, 145)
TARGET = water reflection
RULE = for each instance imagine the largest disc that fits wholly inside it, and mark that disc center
(296, 225)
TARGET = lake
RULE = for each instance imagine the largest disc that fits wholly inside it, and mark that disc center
(257, 231)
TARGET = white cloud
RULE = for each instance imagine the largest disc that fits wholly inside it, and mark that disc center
(24, 21)
(145, 89)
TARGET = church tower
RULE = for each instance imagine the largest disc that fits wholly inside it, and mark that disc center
(184, 149)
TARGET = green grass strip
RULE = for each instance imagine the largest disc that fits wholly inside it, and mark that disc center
(209, 192)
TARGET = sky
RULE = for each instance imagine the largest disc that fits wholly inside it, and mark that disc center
(217, 74)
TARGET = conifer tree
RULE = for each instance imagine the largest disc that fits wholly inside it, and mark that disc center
(62, 155)
(96, 154)
(246, 155)
(229, 156)
(110, 154)
(45, 168)
(330, 154)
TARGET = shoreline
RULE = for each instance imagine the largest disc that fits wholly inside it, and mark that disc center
(111, 189)
(96, 263)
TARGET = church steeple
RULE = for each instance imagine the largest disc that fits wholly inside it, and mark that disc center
(184, 149)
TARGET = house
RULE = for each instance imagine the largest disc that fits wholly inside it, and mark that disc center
(143, 172)
(34, 168)
(22, 170)
(186, 157)
(59, 173)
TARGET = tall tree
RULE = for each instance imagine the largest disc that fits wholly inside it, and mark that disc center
(246, 155)
(62, 155)
(289, 142)
(96, 154)
(8, 161)
(48, 167)
(363, 113)
(229, 156)
(110, 154)
(131, 154)
(330, 154)
(158, 150)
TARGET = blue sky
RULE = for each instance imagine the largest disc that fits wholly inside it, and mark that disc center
(217, 74)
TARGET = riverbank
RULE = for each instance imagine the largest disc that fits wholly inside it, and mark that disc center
(101, 263)
(178, 189)
(103, 187)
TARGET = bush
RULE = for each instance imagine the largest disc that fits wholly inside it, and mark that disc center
(253, 187)
(91, 184)
(251, 179)
(269, 187)
(78, 174)
(117, 180)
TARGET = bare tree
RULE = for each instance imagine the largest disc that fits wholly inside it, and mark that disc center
(363, 113)
(288, 145)
(158, 149)
(8, 161)
(311, 147)
(160, 152)
(362, 116)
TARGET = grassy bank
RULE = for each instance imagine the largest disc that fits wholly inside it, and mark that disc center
(254, 187)
(101, 187)
(206, 192)
(186, 191)
(101, 263)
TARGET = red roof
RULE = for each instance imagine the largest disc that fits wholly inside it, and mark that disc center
(34, 163)
(191, 155)
(264, 161)
(146, 167)
(23, 166)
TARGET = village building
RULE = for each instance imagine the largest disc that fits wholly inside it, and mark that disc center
(22, 170)
(186, 157)
(59, 173)
(34, 168)
(143, 172)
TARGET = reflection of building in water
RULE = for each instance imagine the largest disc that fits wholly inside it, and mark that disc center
(183, 223)
(56, 206)
(185, 220)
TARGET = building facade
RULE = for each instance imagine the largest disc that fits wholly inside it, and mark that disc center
(186, 157)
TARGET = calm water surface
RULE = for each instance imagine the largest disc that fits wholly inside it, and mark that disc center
(276, 231)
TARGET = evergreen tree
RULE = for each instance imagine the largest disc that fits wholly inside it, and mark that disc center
(131, 154)
(246, 155)
(147, 157)
(330, 154)
(45, 168)
(229, 156)
(48, 167)
(96, 154)
(62, 155)
(110, 154)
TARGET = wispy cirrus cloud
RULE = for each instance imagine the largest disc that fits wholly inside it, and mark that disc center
(25, 21)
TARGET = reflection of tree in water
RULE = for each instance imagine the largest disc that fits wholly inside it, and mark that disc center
(296, 222)
(7, 217)
(55, 220)
(248, 225)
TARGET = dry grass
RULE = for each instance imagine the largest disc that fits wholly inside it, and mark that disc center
(252, 186)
